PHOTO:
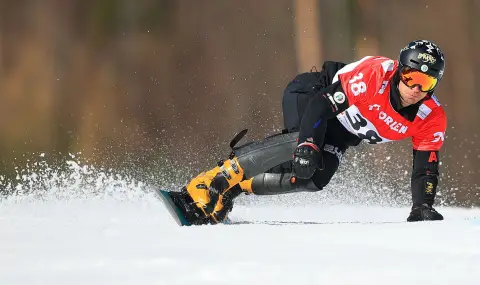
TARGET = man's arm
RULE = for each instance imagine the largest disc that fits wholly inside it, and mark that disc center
(326, 104)
(424, 186)
(424, 177)
(426, 160)
(349, 85)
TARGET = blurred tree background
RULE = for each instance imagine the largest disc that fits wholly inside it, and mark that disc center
(150, 86)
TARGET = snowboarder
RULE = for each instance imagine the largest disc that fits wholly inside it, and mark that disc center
(376, 99)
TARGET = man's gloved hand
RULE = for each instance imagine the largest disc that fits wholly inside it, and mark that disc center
(306, 159)
(424, 212)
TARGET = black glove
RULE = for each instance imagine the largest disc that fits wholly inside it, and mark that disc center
(424, 212)
(306, 159)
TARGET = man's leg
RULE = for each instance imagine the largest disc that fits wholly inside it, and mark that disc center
(213, 191)
(277, 182)
(268, 162)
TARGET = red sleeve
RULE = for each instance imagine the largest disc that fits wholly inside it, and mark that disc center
(362, 78)
(432, 134)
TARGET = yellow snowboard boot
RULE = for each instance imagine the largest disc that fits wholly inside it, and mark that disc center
(209, 190)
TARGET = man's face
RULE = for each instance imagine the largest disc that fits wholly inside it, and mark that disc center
(410, 96)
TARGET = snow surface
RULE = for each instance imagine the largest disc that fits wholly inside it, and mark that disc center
(83, 225)
(102, 240)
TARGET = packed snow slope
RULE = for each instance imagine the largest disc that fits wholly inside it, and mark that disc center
(109, 241)
(86, 226)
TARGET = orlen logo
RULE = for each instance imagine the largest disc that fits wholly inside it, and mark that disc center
(439, 136)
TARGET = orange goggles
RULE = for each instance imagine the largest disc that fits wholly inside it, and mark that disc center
(412, 77)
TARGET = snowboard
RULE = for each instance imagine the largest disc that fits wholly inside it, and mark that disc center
(179, 206)
(172, 208)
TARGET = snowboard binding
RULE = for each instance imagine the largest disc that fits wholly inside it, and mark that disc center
(187, 208)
